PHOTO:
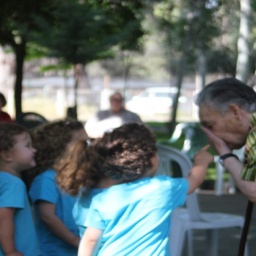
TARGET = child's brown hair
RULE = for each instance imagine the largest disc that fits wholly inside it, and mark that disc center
(123, 155)
(8, 131)
(50, 140)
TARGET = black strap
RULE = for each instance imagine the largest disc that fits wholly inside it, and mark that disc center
(247, 222)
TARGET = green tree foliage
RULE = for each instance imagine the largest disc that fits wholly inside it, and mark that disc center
(76, 32)
(17, 21)
(190, 28)
(201, 37)
(85, 31)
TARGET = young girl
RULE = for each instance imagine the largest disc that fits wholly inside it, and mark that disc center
(17, 231)
(56, 229)
(132, 216)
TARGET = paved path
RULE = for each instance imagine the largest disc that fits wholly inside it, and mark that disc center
(228, 238)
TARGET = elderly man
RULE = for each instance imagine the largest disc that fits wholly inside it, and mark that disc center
(106, 120)
(227, 111)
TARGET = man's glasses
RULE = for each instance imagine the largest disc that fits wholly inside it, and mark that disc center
(116, 100)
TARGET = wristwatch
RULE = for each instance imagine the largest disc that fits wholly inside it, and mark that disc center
(225, 156)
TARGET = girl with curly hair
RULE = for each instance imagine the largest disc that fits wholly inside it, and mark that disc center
(132, 216)
(56, 229)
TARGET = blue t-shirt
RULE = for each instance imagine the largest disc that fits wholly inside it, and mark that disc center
(81, 208)
(136, 216)
(45, 188)
(13, 194)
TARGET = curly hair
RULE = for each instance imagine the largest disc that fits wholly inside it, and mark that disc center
(123, 154)
(8, 131)
(50, 140)
(127, 152)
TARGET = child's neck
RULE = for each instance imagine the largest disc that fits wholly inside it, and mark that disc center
(9, 169)
(106, 183)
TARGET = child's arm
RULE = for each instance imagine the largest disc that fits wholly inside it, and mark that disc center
(197, 174)
(7, 232)
(90, 242)
(47, 215)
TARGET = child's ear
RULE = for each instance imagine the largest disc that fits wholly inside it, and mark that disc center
(6, 155)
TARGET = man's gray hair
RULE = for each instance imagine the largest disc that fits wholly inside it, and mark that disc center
(223, 92)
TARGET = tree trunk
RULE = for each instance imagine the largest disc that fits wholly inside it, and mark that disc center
(182, 68)
(243, 60)
(201, 70)
(127, 65)
(20, 53)
(72, 111)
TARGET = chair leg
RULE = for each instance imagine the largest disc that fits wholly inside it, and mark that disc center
(246, 251)
(190, 242)
(219, 179)
(232, 186)
(212, 242)
(177, 238)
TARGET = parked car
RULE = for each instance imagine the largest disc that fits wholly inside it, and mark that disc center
(155, 100)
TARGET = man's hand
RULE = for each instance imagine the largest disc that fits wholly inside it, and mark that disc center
(217, 143)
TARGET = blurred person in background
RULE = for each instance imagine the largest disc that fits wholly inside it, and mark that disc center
(17, 230)
(4, 116)
(107, 120)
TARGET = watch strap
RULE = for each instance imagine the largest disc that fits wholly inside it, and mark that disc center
(225, 156)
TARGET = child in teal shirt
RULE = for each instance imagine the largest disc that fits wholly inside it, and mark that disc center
(132, 215)
(17, 231)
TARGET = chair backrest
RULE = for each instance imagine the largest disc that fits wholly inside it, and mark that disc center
(194, 137)
(167, 156)
(30, 120)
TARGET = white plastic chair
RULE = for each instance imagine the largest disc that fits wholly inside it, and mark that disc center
(184, 220)
(194, 139)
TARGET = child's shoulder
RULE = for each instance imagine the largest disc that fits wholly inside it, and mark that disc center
(6, 176)
(44, 178)
(48, 173)
(161, 180)
(163, 177)
(10, 183)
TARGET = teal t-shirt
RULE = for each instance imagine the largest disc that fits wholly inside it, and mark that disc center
(136, 217)
(81, 208)
(45, 188)
(13, 194)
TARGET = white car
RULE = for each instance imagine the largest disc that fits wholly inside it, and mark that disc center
(155, 100)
